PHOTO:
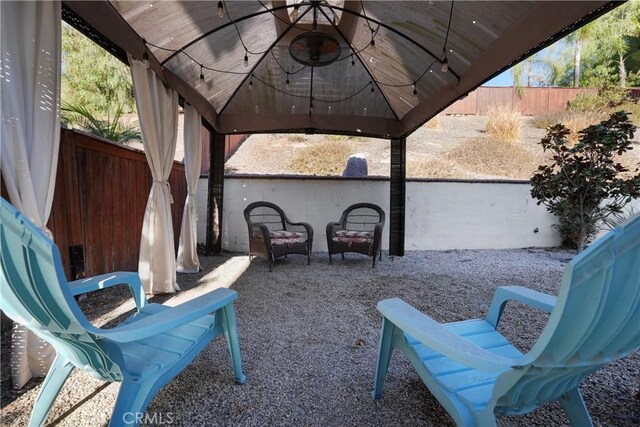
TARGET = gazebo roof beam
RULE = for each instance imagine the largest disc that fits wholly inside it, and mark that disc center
(393, 30)
(266, 52)
(364, 64)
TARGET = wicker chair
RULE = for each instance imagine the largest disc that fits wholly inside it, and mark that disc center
(359, 230)
(272, 234)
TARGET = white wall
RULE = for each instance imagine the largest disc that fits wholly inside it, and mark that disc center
(439, 215)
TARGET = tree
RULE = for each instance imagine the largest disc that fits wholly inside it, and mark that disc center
(92, 77)
(110, 127)
(585, 184)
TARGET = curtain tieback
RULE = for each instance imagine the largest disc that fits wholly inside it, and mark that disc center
(166, 184)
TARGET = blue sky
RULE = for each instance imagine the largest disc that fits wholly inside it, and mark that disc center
(504, 79)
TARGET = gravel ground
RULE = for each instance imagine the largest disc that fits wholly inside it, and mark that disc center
(309, 337)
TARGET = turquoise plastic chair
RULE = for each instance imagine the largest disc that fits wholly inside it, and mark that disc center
(144, 352)
(476, 374)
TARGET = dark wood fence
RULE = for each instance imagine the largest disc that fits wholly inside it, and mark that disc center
(534, 100)
(231, 144)
(100, 197)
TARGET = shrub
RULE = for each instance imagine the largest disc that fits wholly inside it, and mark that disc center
(584, 185)
(504, 123)
(434, 123)
(325, 158)
(110, 128)
(574, 120)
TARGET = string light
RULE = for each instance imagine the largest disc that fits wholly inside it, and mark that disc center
(145, 60)
(353, 61)
(445, 65)
(220, 9)
(201, 73)
(372, 90)
(294, 15)
(246, 59)
(415, 89)
(287, 82)
(251, 82)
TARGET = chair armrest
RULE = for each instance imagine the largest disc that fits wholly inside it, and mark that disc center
(441, 339)
(306, 226)
(264, 230)
(520, 294)
(103, 281)
(331, 228)
(170, 318)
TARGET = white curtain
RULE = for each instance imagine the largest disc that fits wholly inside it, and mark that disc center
(187, 249)
(158, 114)
(30, 88)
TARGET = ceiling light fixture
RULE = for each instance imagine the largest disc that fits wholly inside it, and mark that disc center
(246, 59)
(220, 9)
(145, 60)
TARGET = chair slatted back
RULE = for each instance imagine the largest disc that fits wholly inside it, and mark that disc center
(596, 319)
(35, 294)
(362, 217)
(267, 214)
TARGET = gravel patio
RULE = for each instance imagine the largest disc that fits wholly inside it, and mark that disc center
(309, 337)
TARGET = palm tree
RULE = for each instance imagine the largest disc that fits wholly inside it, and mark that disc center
(110, 128)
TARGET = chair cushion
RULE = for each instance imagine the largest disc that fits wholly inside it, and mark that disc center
(284, 237)
(350, 237)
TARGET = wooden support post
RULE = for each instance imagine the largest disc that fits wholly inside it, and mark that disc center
(215, 192)
(398, 196)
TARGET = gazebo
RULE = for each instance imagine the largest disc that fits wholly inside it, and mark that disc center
(371, 68)
(377, 68)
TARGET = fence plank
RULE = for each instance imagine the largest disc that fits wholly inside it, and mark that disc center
(100, 199)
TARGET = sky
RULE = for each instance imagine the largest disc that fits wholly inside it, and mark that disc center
(503, 79)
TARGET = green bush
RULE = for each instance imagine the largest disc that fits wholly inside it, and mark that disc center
(585, 185)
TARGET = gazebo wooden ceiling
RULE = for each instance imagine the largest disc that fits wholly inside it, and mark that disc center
(388, 79)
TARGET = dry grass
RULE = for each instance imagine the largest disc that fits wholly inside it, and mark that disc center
(434, 123)
(574, 120)
(296, 138)
(327, 158)
(481, 156)
(504, 123)
(346, 138)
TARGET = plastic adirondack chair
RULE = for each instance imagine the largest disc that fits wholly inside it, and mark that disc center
(144, 352)
(476, 374)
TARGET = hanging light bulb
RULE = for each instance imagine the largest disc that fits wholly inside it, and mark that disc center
(251, 82)
(353, 61)
(220, 9)
(372, 90)
(294, 14)
(445, 65)
(287, 82)
(415, 90)
(201, 73)
(145, 60)
(373, 42)
(246, 59)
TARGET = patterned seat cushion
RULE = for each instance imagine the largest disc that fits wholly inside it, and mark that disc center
(351, 237)
(284, 237)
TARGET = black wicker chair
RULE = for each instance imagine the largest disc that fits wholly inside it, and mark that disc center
(359, 230)
(272, 234)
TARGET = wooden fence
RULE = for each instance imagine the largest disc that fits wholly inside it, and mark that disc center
(231, 144)
(534, 100)
(100, 197)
